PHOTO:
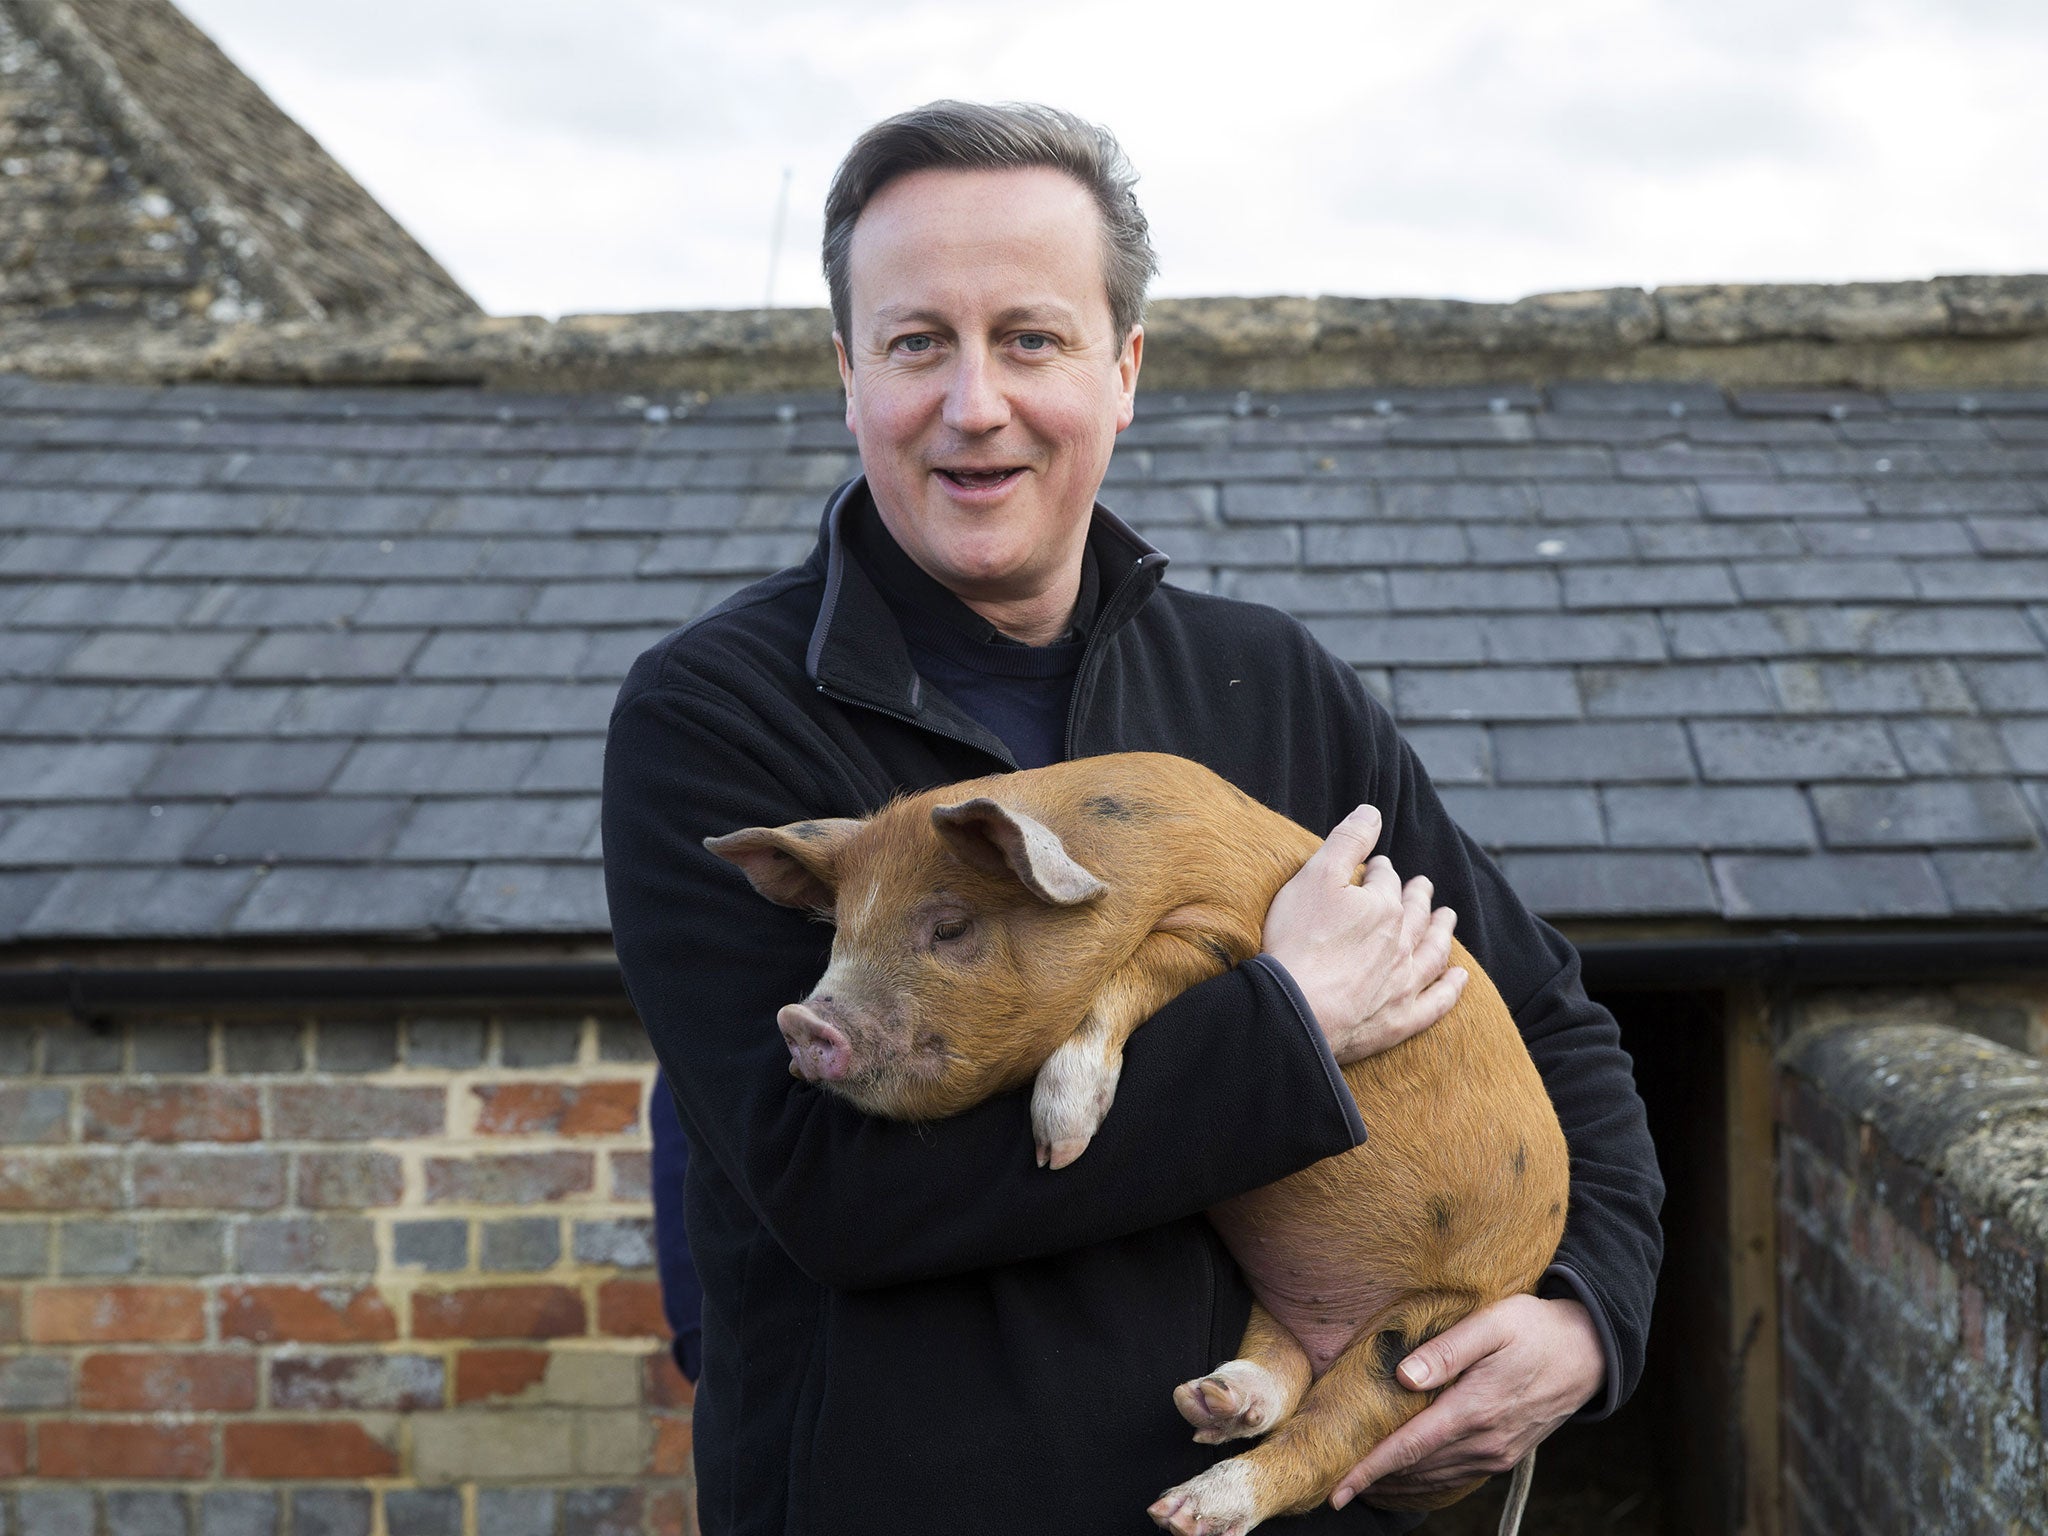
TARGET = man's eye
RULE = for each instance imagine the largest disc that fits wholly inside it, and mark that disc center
(951, 928)
(1032, 341)
(914, 344)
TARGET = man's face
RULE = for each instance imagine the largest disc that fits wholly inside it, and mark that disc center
(984, 379)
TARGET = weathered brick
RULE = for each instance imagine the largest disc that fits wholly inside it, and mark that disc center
(318, 1448)
(167, 1381)
(169, 1045)
(193, 1245)
(246, 1181)
(305, 1245)
(433, 1245)
(356, 1045)
(672, 1512)
(81, 1048)
(264, 1045)
(238, 1512)
(632, 1176)
(527, 1242)
(631, 1307)
(98, 1248)
(10, 1313)
(517, 1178)
(454, 1043)
(663, 1385)
(581, 1109)
(626, 1242)
(170, 1112)
(538, 1042)
(312, 1314)
(351, 1180)
(423, 1512)
(604, 1511)
(100, 1448)
(39, 1116)
(54, 1511)
(331, 1511)
(484, 1443)
(482, 1375)
(34, 1383)
(670, 1456)
(499, 1312)
(623, 1040)
(115, 1314)
(146, 1512)
(583, 1378)
(516, 1511)
(59, 1181)
(356, 1382)
(355, 1111)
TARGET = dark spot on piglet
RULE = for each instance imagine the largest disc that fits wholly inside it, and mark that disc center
(1555, 1208)
(1440, 1213)
(1217, 951)
(1388, 1352)
(1113, 809)
(809, 831)
(1521, 1160)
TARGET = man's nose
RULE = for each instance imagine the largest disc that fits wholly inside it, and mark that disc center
(975, 402)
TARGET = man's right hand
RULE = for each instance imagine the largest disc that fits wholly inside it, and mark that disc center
(1369, 957)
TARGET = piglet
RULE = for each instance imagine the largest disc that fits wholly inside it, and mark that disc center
(1017, 929)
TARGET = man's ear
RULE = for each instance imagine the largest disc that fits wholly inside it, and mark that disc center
(990, 836)
(793, 866)
(845, 377)
(1127, 365)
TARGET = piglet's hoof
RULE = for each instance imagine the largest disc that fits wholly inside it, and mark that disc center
(1218, 1503)
(1235, 1400)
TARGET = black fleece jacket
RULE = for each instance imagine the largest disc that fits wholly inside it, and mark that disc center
(914, 1329)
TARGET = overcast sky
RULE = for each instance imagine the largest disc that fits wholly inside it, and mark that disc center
(628, 154)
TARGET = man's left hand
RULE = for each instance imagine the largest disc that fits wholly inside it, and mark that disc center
(1510, 1374)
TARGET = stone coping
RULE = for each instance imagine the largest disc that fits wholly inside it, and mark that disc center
(1977, 331)
(1970, 1111)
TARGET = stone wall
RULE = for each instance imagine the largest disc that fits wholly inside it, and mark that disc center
(332, 1277)
(1913, 1249)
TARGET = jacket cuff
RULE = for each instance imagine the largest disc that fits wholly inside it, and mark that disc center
(1561, 1282)
(1307, 1020)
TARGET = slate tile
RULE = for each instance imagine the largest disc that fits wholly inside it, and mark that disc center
(534, 898)
(1878, 461)
(1473, 590)
(492, 654)
(103, 710)
(125, 832)
(1300, 592)
(1977, 580)
(107, 605)
(327, 828)
(498, 472)
(1949, 497)
(76, 771)
(1457, 501)
(1497, 818)
(1385, 544)
(1950, 747)
(314, 656)
(227, 710)
(1654, 399)
(1588, 637)
(2010, 535)
(1298, 503)
(23, 506)
(2026, 744)
(20, 894)
(1628, 501)
(1610, 884)
(1493, 693)
(448, 766)
(649, 601)
(1390, 463)
(1793, 750)
(71, 555)
(1967, 812)
(1929, 631)
(2009, 687)
(497, 829)
(414, 559)
(541, 709)
(376, 513)
(1770, 581)
(1689, 461)
(1494, 427)
(139, 902)
(1615, 431)
(568, 764)
(1705, 634)
(1589, 752)
(1177, 465)
(271, 557)
(217, 768)
(1871, 687)
(1784, 498)
(561, 559)
(325, 899)
(1708, 541)
(1452, 754)
(1647, 586)
(37, 655)
(1829, 885)
(819, 472)
(414, 604)
(1538, 461)
(405, 708)
(1393, 641)
(632, 512)
(285, 605)
(1734, 817)
(1999, 883)
(1872, 537)
(1835, 404)
(727, 554)
(153, 655)
(1569, 545)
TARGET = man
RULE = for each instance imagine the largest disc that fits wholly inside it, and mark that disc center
(914, 1328)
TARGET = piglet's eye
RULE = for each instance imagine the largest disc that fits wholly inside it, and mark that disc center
(951, 928)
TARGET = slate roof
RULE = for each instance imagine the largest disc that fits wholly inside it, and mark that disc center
(281, 661)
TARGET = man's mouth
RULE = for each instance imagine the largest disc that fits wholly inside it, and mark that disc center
(981, 479)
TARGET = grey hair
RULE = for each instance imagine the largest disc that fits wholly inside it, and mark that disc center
(967, 135)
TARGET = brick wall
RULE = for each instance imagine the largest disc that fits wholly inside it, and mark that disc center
(1913, 1233)
(322, 1277)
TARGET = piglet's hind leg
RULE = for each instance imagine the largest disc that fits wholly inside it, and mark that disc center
(1248, 1395)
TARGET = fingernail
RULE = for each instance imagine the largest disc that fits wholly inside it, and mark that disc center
(1340, 1498)
(1415, 1372)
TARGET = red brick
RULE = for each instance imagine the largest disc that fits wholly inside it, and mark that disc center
(171, 1112)
(663, 1385)
(305, 1449)
(498, 1312)
(356, 1382)
(315, 1314)
(355, 1112)
(585, 1109)
(13, 1448)
(632, 1176)
(672, 1513)
(486, 1373)
(171, 1381)
(116, 1314)
(96, 1448)
(670, 1456)
(60, 1181)
(349, 1180)
(631, 1307)
(240, 1181)
(515, 1178)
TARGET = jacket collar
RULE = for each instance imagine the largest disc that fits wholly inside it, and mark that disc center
(856, 650)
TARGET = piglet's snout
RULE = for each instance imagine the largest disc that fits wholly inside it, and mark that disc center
(819, 1051)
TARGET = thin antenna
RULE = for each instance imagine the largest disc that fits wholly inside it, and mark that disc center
(775, 240)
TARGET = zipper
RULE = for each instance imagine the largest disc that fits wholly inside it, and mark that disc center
(1109, 619)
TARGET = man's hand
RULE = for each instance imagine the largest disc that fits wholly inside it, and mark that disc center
(1369, 958)
(1510, 1373)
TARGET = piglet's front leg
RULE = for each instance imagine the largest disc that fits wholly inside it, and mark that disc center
(1077, 1084)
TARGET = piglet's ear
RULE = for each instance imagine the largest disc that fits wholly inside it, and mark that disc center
(993, 837)
(796, 865)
